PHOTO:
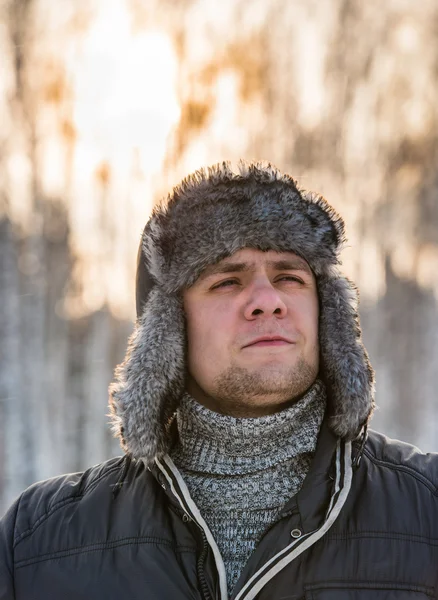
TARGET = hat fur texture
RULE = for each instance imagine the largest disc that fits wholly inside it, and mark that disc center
(209, 216)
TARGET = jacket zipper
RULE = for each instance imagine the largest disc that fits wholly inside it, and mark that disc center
(201, 560)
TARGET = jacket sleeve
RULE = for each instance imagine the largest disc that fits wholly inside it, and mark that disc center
(7, 527)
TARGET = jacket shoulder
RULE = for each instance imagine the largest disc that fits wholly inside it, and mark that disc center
(42, 499)
(403, 457)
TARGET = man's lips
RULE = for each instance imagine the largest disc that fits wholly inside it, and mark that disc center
(269, 340)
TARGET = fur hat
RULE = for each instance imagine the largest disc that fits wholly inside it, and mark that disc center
(210, 215)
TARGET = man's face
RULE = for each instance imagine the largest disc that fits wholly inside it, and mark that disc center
(252, 331)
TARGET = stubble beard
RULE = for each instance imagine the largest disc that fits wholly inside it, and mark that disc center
(245, 393)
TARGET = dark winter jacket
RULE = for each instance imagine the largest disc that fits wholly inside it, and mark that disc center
(120, 530)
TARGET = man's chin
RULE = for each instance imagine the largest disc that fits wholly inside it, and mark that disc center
(272, 378)
(273, 369)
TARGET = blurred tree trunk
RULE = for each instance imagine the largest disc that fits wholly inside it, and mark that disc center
(14, 472)
(54, 370)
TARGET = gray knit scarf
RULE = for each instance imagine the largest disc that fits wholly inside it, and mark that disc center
(242, 471)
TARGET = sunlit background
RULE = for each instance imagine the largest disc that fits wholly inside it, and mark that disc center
(105, 104)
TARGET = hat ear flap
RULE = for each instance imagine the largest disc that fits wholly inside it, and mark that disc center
(346, 368)
(150, 381)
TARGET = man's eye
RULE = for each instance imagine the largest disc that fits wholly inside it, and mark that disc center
(225, 283)
(290, 278)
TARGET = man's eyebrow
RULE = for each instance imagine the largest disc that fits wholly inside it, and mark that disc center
(289, 264)
(225, 267)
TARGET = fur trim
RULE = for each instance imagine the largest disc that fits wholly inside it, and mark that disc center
(209, 216)
(215, 212)
(150, 381)
(346, 369)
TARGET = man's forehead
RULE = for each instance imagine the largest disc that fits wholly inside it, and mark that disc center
(249, 259)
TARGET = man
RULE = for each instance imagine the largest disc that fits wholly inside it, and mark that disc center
(242, 407)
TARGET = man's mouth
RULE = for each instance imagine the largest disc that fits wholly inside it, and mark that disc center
(269, 340)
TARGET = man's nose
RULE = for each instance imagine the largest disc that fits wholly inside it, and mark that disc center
(264, 300)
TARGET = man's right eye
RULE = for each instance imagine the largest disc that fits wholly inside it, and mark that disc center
(225, 283)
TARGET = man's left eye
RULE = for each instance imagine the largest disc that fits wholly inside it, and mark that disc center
(290, 278)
